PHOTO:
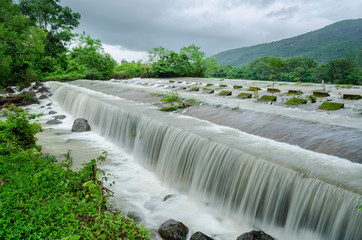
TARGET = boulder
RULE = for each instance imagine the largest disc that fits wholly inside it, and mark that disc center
(59, 117)
(43, 90)
(168, 197)
(81, 125)
(255, 235)
(43, 96)
(54, 121)
(200, 236)
(173, 230)
(52, 112)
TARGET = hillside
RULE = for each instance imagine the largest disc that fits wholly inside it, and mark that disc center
(328, 43)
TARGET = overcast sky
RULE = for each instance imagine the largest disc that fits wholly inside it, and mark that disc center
(130, 28)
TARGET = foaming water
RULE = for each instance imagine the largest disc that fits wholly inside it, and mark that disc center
(287, 191)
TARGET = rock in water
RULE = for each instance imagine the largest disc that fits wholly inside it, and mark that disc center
(255, 235)
(54, 121)
(81, 125)
(173, 230)
(200, 236)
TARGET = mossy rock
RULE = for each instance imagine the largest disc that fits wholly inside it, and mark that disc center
(209, 85)
(331, 106)
(351, 96)
(222, 85)
(320, 94)
(237, 87)
(193, 89)
(253, 89)
(294, 92)
(312, 98)
(208, 91)
(181, 88)
(268, 98)
(225, 93)
(171, 81)
(273, 90)
(244, 95)
(296, 101)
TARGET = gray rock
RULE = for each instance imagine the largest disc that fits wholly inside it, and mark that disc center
(173, 230)
(168, 197)
(81, 125)
(200, 236)
(43, 96)
(52, 112)
(59, 117)
(54, 121)
(255, 235)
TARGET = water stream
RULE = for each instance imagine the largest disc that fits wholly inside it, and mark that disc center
(231, 181)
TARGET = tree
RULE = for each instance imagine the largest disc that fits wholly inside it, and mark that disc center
(340, 70)
(196, 60)
(56, 20)
(21, 46)
(89, 56)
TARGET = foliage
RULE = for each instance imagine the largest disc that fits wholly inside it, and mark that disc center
(41, 199)
(17, 128)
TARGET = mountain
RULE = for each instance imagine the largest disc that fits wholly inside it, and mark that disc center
(323, 45)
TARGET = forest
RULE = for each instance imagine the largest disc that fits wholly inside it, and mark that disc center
(38, 42)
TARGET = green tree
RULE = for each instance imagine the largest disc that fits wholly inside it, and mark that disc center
(21, 46)
(197, 67)
(89, 56)
(56, 20)
(259, 69)
(340, 70)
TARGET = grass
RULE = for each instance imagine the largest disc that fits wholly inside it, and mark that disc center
(43, 199)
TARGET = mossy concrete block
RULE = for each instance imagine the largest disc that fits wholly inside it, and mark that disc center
(320, 94)
(208, 91)
(237, 87)
(351, 96)
(273, 90)
(209, 85)
(331, 106)
(244, 95)
(268, 98)
(225, 93)
(296, 101)
(253, 89)
(294, 92)
(193, 89)
(171, 81)
(222, 85)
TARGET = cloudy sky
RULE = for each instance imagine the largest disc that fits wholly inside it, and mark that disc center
(130, 28)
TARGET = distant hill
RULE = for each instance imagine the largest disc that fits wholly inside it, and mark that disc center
(324, 45)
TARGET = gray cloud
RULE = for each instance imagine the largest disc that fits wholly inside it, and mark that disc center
(215, 25)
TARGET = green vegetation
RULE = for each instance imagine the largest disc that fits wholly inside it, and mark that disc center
(352, 96)
(42, 199)
(296, 101)
(331, 42)
(331, 106)
(253, 89)
(312, 98)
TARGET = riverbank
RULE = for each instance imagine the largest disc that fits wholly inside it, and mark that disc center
(43, 199)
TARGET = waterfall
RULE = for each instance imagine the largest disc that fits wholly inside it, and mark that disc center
(251, 179)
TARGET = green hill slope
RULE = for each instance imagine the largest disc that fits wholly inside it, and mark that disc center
(331, 42)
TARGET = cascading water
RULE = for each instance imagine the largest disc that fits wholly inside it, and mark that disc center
(251, 179)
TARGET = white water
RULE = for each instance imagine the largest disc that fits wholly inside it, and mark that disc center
(236, 174)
